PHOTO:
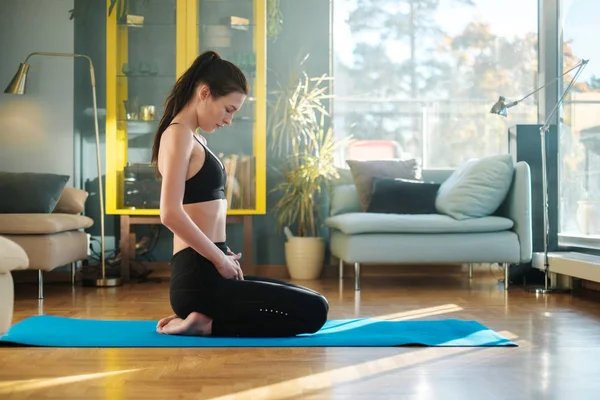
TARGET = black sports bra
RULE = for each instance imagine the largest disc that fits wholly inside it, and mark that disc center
(209, 182)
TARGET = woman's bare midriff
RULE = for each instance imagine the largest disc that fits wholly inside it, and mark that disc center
(210, 217)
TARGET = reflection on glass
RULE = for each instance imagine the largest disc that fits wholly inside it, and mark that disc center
(579, 185)
(146, 48)
(228, 28)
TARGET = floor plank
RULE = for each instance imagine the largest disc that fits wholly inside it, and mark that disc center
(558, 335)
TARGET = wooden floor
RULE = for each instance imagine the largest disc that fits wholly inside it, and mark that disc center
(558, 335)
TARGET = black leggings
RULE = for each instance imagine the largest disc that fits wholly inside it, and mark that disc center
(254, 307)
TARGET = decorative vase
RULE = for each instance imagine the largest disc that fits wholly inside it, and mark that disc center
(304, 257)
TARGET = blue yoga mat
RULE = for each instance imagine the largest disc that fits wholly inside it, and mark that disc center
(54, 331)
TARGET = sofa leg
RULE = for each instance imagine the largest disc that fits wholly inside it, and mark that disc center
(356, 276)
(341, 269)
(470, 270)
(73, 272)
(40, 285)
(506, 265)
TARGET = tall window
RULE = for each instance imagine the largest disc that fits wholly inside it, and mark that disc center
(579, 187)
(417, 78)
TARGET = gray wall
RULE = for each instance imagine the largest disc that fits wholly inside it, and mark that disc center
(294, 41)
(32, 125)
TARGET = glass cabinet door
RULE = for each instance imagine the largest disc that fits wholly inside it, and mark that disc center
(142, 55)
(150, 43)
(232, 28)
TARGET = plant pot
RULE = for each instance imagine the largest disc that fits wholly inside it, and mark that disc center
(304, 257)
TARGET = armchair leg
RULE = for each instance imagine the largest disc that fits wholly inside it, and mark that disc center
(40, 285)
(470, 270)
(356, 276)
(506, 265)
(341, 269)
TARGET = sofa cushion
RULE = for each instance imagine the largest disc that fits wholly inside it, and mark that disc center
(30, 192)
(357, 223)
(41, 224)
(71, 201)
(363, 173)
(12, 256)
(344, 200)
(403, 196)
(47, 252)
(484, 247)
(477, 188)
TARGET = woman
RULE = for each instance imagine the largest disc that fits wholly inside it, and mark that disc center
(208, 291)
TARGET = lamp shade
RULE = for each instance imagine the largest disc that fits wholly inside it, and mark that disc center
(500, 107)
(18, 84)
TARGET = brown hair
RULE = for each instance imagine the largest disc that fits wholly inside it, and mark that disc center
(222, 78)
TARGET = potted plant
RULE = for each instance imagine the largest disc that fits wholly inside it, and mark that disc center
(306, 175)
(306, 145)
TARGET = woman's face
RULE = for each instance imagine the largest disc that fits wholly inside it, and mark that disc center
(213, 113)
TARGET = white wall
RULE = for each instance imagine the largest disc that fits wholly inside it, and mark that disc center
(36, 130)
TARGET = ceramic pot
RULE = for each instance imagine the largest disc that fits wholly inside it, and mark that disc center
(304, 257)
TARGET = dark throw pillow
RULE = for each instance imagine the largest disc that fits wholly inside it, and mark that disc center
(30, 192)
(363, 173)
(403, 196)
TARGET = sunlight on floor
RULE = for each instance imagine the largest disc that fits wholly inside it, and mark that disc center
(421, 312)
(9, 387)
(328, 379)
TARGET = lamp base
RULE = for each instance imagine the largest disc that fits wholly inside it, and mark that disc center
(106, 282)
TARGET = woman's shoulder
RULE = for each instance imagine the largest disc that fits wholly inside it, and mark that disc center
(177, 137)
(177, 132)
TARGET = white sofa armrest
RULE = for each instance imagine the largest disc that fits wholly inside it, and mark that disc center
(12, 257)
(517, 207)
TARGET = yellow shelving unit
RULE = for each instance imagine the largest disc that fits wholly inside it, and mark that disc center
(149, 45)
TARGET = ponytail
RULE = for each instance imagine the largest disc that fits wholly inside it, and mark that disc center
(222, 78)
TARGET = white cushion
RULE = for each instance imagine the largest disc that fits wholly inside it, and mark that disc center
(12, 256)
(477, 188)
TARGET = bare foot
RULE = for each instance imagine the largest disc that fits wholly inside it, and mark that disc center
(195, 324)
(164, 322)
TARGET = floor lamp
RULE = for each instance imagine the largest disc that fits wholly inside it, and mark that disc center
(18, 86)
(500, 108)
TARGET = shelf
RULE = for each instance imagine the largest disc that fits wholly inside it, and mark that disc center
(234, 27)
(138, 26)
(146, 76)
(137, 128)
(226, 2)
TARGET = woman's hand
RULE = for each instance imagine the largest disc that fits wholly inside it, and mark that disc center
(229, 267)
(231, 253)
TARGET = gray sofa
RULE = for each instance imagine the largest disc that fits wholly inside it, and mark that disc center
(504, 236)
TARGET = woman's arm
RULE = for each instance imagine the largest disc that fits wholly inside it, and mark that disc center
(175, 151)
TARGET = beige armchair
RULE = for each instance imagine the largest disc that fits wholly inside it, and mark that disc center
(12, 257)
(54, 239)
